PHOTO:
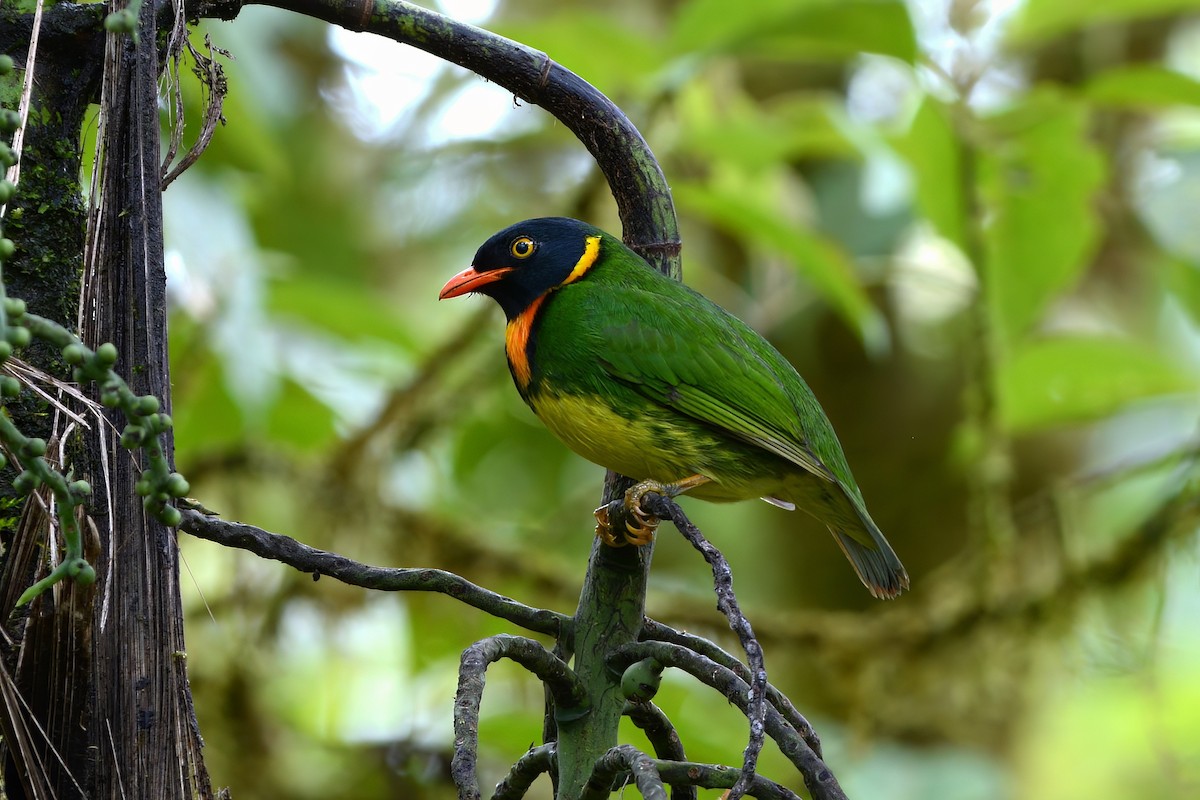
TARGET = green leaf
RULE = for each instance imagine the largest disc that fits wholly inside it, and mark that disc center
(726, 125)
(1039, 175)
(346, 309)
(1039, 20)
(298, 419)
(1072, 380)
(1143, 86)
(757, 217)
(934, 153)
(797, 29)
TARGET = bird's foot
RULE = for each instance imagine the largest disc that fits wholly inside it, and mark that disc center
(639, 524)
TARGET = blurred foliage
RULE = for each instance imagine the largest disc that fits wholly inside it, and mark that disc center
(970, 225)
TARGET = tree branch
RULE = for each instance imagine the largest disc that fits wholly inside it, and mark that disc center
(525, 772)
(625, 757)
(727, 604)
(570, 697)
(663, 737)
(320, 562)
(658, 632)
(817, 777)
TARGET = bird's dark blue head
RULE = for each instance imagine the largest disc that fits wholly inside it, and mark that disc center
(524, 261)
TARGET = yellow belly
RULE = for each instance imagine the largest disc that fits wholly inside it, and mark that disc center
(654, 445)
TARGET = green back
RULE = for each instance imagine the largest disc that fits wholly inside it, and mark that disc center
(625, 322)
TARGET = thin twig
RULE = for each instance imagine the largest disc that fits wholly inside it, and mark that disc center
(727, 604)
(653, 630)
(320, 562)
(714, 776)
(817, 777)
(524, 772)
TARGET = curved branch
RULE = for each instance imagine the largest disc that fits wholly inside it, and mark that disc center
(634, 176)
(727, 604)
(570, 696)
(523, 773)
(624, 758)
(817, 777)
(663, 737)
(320, 562)
(653, 630)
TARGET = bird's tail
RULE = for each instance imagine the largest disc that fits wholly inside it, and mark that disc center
(877, 564)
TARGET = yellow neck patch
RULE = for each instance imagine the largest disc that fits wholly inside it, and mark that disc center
(590, 253)
(516, 335)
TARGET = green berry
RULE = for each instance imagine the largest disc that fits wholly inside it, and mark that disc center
(85, 573)
(132, 437)
(6, 64)
(7, 190)
(34, 447)
(5, 350)
(25, 483)
(122, 21)
(9, 386)
(109, 398)
(147, 404)
(75, 354)
(170, 516)
(14, 307)
(165, 421)
(144, 487)
(177, 485)
(7, 156)
(7, 248)
(106, 355)
(20, 337)
(80, 489)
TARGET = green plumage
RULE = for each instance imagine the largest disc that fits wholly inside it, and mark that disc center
(645, 376)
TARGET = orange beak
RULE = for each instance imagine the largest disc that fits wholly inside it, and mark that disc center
(469, 281)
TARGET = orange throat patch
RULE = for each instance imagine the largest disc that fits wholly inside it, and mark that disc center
(516, 343)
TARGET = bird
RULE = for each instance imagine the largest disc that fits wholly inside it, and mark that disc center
(639, 373)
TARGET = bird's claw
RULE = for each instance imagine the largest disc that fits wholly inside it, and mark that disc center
(639, 525)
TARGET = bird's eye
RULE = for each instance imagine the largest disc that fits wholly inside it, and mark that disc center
(522, 247)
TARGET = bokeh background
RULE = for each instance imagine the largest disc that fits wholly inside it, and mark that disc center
(974, 227)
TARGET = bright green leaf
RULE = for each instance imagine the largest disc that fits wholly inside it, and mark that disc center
(754, 216)
(298, 419)
(1039, 20)
(824, 29)
(347, 309)
(1039, 175)
(1072, 380)
(934, 153)
(1143, 86)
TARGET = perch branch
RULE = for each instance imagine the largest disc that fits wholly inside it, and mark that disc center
(727, 604)
(817, 777)
(570, 697)
(523, 773)
(320, 562)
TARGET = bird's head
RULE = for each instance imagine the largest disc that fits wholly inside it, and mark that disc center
(524, 261)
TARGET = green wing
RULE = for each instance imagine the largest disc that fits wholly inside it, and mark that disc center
(680, 350)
